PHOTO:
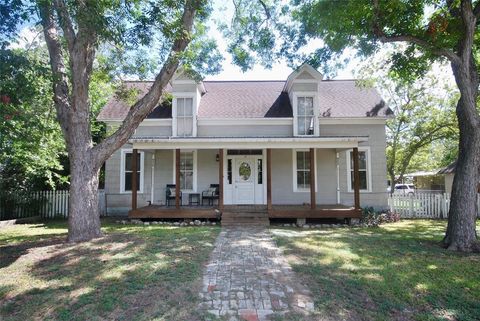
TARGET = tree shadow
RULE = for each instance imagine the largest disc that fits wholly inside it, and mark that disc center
(135, 274)
(394, 274)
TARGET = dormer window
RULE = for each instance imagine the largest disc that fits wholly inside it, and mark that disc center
(305, 116)
(184, 116)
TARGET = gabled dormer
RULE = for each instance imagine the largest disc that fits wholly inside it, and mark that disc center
(186, 93)
(302, 88)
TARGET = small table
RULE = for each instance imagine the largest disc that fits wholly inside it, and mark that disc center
(194, 199)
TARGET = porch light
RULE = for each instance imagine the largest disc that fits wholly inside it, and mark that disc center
(217, 157)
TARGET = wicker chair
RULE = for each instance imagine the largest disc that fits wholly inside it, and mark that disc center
(170, 194)
(211, 194)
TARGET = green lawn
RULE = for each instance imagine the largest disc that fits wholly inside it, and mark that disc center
(394, 272)
(133, 273)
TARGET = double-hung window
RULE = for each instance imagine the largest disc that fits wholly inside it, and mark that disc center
(127, 171)
(187, 168)
(363, 170)
(184, 116)
(302, 170)
(305, 116)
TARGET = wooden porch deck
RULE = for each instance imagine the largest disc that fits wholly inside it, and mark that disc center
(159, 211)
(277, 211)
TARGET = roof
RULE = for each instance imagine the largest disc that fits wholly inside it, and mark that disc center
(450, 169)
(263, 99)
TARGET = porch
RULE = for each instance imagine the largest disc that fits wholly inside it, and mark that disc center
(234, 195)
(277, 211)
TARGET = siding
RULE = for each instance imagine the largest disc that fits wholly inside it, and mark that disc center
(245, 130)
(153, 131)
(377, 143)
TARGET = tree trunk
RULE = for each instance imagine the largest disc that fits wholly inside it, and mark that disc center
(83, 218)
(461, 230)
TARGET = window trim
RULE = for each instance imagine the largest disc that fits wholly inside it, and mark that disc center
(194, 190)
(294, 169)
(123, 153)
(194, 112)
(295, 96)
(369, 170)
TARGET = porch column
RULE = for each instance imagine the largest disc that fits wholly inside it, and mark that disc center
(356, 179)
(269, 179)
(220, 179)
(313, 196)
(134, 178)
(177, 178)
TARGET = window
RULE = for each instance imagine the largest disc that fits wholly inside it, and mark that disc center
(305, 116)
(229, 171)
(303, 170)
(187, 170)
(184, 114)
(259, 171)
(363, 169)
(126, 171)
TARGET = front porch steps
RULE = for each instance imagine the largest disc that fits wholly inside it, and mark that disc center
(249, 218)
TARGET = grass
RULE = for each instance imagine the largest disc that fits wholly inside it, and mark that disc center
(133, 273)
(394, 272)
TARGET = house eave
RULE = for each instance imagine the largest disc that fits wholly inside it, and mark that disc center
(336, 142)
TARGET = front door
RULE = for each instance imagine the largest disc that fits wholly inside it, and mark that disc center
(244, 180)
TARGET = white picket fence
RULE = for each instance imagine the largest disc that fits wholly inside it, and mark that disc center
(46, 204)
(423, 205)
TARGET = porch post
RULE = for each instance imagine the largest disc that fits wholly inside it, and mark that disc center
(134, 178)
(313, 196)
(177, 178)
(269, 179)
(220, 179)
(356, 179)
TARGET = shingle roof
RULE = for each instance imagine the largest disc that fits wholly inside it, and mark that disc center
(450, 169)
(265, 99)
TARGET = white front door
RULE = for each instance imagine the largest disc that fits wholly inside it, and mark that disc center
(244, 180)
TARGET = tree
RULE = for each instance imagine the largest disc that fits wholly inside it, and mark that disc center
(424, 114)
(30, 138)
(74, 31)
(432, 29)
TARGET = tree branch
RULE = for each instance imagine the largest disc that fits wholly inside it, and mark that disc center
(422, 43)
(476, 10)
(65, 23)
(380, 34)
(147, 103)
(61, 95)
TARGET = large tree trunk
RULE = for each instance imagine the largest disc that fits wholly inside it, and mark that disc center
(461, 230)
(83, 218)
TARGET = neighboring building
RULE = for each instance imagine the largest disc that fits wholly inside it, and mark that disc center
(448, 172)
(283, 147)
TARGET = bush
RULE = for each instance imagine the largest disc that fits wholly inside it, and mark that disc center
(370, 217)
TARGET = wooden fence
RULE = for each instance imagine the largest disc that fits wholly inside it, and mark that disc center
(423, 205)
(46, 204)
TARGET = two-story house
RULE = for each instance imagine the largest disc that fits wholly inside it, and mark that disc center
(300, 148)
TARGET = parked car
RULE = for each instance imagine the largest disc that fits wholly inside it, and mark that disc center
(404, 189)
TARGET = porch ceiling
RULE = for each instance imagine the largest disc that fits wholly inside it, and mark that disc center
(158, 142)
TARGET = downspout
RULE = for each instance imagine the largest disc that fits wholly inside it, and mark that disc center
(152, 192)
(338, 178)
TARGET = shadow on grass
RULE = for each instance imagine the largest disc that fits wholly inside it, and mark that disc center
(133, 273)
(396, 272)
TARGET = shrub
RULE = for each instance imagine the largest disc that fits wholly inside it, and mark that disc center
(371, 217)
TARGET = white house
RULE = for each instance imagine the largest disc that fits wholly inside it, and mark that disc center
(300, 148)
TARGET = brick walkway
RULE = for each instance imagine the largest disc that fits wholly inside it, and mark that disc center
(248, 278)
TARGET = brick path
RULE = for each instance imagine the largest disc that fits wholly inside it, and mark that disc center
(248, 278)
